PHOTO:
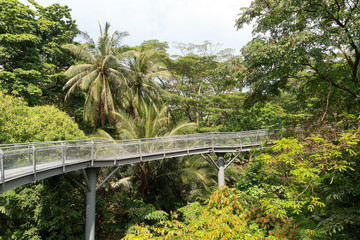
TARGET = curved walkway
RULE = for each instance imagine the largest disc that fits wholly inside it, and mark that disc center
(28, 162)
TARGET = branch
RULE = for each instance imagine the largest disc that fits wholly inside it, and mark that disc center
(308, 185)
(327, 105)
(331, 81)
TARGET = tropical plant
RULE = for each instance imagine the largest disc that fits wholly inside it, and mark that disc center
(100, 76)
(142, 70)
(228, 214)
(151, 121)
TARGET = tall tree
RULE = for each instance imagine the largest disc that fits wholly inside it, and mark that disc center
(142, 71)
(301, 43)
(155, 45)
(190, 84)
(101, 76)
(31, 57)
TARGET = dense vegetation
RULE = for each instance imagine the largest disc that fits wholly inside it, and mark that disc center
(300, 69)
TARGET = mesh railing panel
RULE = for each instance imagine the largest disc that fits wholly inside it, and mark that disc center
(152, 147)
(131, 149)
(226, 140)
(78, 152)
(48, 155)
(105, 151)
(18, 158)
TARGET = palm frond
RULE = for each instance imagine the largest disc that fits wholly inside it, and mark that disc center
(110, 61)
(71, 91)
(126, 125)
(100, 76)
(79, 51)
(181, 128)
(116, 39)
(77, 69)
(74, 80)
(117, 77)
(86, 81)
(88, 39)
(101, 134)
(126, 183)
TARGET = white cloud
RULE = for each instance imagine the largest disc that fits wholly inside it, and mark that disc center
(188, 21)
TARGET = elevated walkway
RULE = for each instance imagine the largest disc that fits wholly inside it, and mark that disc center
(28, 162)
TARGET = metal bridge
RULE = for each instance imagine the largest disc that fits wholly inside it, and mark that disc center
(27, 162)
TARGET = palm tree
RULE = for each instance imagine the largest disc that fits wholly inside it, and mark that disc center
(151, 121)
(100, 76)
(142, 70)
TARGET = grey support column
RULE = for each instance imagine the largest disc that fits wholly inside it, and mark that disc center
(90, 204)
(221, 172)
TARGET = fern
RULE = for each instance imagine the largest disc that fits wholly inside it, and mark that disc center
(158, 215)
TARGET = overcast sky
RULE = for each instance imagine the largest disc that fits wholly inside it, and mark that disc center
(186, 21)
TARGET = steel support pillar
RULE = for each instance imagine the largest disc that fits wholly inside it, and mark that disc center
(221, 171)
(90, 204)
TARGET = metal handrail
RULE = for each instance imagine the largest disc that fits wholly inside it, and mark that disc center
(37, 154)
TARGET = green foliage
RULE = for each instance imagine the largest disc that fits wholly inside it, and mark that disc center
(31, 59)
(99, 76)
(152, 121)
(309, 46)
(190, 85)
(299, 165)
(142, 71)
(269, 115)
(20, 123)
(48, 209)
(228, 214)
(155, 45)
(158, 215)
(316, 178)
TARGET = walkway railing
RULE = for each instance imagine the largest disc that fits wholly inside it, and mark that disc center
(16, 159)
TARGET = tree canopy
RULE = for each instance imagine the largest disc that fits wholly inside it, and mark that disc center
(31, 58)
(21, 123)
(304, 43)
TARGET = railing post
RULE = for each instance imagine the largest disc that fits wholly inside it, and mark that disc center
(92, 152)
(114, 153)
(187, 146)
(63, 155)
(212, 142)
(140, 150)
(163, 144)
(34, 159)
(257, 136)
(29, 155)
(2, 167)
